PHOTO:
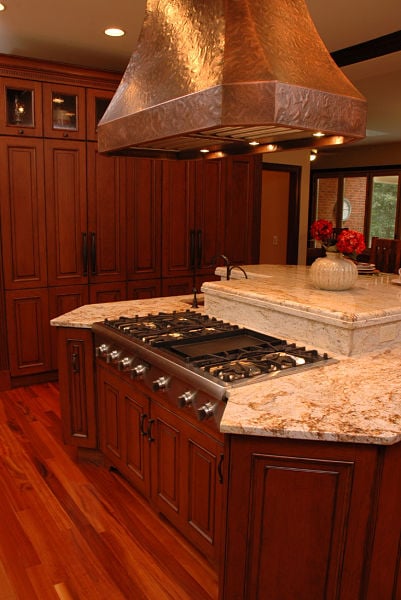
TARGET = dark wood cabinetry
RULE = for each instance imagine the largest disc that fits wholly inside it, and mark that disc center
(122, 227)
(167, 458)
(303, 520)
(77, 391)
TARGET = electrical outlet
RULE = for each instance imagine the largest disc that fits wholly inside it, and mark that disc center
(275, 240)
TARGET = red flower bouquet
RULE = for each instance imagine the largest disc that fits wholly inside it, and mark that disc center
(348, 242)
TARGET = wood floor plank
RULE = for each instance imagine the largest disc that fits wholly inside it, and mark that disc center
(73, 530)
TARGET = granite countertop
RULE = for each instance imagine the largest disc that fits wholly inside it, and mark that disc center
(357, 399)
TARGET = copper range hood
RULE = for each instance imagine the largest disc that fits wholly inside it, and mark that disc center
(229, 76)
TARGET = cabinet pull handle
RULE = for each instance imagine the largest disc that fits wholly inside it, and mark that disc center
(75, 362)
(220, 468)
(192, 249)
(85, 254)
(150, 423)
(93, 253)
(141, 424)
(199, 248)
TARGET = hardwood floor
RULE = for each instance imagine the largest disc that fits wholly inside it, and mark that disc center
(74, 530)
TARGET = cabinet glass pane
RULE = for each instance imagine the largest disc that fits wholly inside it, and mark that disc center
(20, 107)
(64, 111)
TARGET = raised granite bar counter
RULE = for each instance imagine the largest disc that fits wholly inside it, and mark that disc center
(281, 300)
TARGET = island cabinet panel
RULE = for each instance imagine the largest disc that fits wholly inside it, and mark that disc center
(23, 221)
(77, 390)
(297, 521)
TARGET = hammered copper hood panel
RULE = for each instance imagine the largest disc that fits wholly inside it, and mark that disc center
(218, 74)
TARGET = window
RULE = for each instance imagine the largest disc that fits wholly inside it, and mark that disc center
(367, 201)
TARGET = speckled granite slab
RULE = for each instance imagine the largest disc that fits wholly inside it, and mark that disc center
(281, 300)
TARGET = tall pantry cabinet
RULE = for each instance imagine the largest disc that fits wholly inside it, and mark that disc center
(61, 205)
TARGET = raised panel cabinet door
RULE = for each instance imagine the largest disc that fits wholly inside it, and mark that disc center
(20, 107)
(143, 288)
(22, 204)
(66, 212)
(143, 221)
(203, 493)
(209, 214)
(77, 387)
(107, 292)
(136, 445)
(106, 217)
(179, 235)
(28, 331)
(110, 399)
(64, 111)
(297, 519)
(166, 456)
(242, 209)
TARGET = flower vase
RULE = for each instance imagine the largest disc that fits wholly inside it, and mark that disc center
(333, 272)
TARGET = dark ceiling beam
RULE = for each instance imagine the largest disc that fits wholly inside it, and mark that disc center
(386, 44)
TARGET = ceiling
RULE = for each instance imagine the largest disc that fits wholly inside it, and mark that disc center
(73, 33)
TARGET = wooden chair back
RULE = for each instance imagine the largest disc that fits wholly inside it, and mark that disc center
(386, 254)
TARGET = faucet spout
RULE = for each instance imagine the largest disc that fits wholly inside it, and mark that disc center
(237, 267)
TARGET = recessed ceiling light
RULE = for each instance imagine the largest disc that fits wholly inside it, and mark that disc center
(2, 6)
(205, 150)
(254, 143)
(114, 31)
(318, 134)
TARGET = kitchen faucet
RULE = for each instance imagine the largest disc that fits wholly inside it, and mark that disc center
(229, 266)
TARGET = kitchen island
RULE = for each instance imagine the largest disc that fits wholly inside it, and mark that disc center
(312, 477)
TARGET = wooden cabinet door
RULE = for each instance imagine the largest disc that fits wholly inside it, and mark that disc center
(179, 234)
(66, 208)
(96, 103)
(297, 519)
(20, 107)
(143, 222)
(28, 331)
(77, 389)
(242, 209)
(22, 205)
(143, 288)
(110, 400)
(64, 112)
(107, 292)
(106, 217)
(209, 215)
(135, 439)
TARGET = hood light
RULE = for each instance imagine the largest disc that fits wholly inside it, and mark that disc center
(114, 32)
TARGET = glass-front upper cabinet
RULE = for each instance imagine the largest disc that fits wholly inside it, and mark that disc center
(64, 111)
(21, 107)
(96, 103)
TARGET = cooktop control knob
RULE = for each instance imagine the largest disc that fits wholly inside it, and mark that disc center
(186, 399)
(206, 411)
(139, 370)
(101, 350)
(124, 363)
(161, 383)
(112, 356)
